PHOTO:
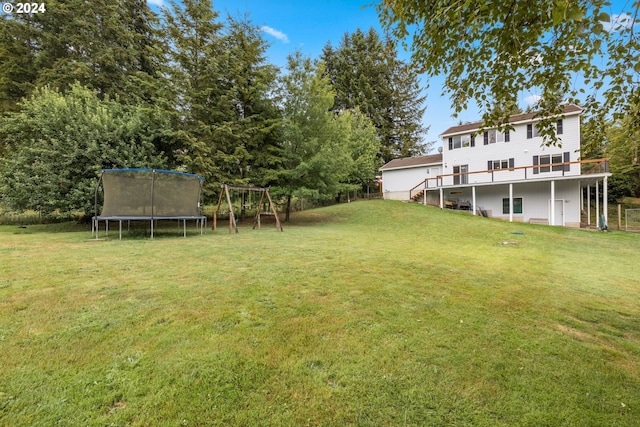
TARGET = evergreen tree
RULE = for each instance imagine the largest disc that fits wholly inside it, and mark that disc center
(367, 74)
(247, 135)
(222, 89)
(111, 46)
(17, 69)
(194, 39)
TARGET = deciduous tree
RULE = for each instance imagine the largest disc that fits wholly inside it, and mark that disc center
(314, 158)
(57, 144)
(489, 51)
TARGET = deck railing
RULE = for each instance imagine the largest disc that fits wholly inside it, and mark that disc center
(587, 167)
(423, 185)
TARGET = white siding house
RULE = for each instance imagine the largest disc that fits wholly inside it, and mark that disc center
(510, 175)
(399, 173)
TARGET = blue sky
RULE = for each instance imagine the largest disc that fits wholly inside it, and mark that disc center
(307, 25)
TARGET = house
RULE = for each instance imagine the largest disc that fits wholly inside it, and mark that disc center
(399, 172)
(510, 175)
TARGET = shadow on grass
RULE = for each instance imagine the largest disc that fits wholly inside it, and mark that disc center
(61, 227)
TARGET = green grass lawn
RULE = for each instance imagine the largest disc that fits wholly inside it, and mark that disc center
(371, 314)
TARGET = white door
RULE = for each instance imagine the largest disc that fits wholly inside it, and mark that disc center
(558, 211)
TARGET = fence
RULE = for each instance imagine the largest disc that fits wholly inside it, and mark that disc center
(632, 219)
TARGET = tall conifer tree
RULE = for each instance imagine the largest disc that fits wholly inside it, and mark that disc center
(366, 73)
(247, 134)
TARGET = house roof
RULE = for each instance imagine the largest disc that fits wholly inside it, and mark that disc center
(412, 162)
(569, 109)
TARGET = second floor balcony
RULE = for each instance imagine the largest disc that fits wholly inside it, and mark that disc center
(464, 177)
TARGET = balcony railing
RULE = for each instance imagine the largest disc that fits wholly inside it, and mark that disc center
(587, 167)
(426, 184)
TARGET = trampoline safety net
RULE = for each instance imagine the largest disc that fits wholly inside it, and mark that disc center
(149, 194)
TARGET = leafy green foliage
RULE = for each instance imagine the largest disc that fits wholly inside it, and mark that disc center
(221, 88)
(17, 71)
(489, 51)
(247, 136)
(112, 47)
(362, 144)
(215, 108)
(312, 157)
(623, 150)
(322, 153)
(57, 144)
(366, 74)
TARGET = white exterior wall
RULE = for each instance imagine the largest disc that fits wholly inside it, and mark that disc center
(519, 148)
(535, 200)
(396, 183)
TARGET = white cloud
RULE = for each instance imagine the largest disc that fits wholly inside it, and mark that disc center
(532, 99)
(618, 22)
(158, 3)
(275, 33)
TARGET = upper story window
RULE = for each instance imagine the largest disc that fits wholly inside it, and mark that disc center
(532, 130)
(460, 141)
(492, 136)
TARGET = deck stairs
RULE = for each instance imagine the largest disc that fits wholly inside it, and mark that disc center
(418, 196)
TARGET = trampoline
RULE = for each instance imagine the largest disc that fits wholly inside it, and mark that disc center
(148, 195)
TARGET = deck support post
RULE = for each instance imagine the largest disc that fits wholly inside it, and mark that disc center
(473, 198)
(588, 205)
(511, 202)
(552, 204)
(605, 203)
(597, 204)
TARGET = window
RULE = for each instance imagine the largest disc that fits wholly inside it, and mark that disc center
(454, 142)
(492, 136)
(462, 178)
(501, 164)
(552, 162)
(459, 141)
(517, 205)
(532, 130)
(548, 160)
(545, 160)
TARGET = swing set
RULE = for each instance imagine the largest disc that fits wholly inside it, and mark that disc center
(233, 222)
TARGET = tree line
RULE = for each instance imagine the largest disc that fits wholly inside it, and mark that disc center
(118, 85)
